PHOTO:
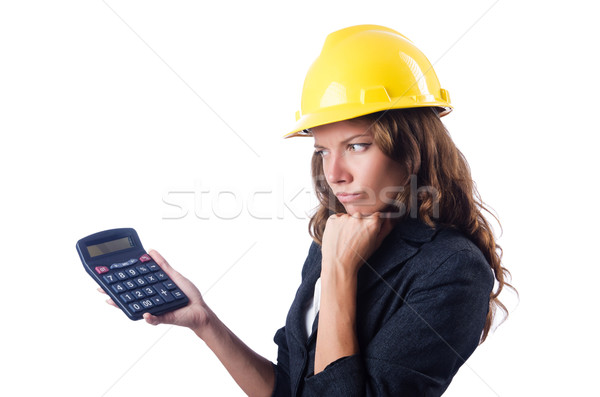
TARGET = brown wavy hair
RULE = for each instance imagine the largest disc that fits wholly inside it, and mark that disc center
(447, 195)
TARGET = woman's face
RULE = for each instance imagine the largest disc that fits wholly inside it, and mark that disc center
(362, 177)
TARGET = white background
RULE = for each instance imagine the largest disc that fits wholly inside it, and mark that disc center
(110, 110)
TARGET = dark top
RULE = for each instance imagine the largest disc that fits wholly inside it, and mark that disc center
(422, 300)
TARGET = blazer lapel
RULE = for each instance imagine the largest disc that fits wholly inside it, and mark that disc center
(401, 244)
(295, 320)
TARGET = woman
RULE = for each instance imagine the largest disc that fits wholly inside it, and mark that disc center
(397, 289)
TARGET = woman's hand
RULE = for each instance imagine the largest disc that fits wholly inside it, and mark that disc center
(194, 316)
(349, 240)
(251, 371)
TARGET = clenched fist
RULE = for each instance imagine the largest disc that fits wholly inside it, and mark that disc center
(349, 240)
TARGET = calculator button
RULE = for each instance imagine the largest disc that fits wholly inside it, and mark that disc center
(140, 281)
(136, 307)
(151, 278)
(118, 288)
(132, 261)
(110, 278)
(115, 266)
(165, 294)
(138, 294)
(130, 284)
(145, 258)
(157, 300)
(177, 294)
(121, 275)
(132, 272)
(147, 303)
(169, 285)
(161, 275)
(143, 269)
(127, 297)
(148, 291)
(101, 269)
(153, 266)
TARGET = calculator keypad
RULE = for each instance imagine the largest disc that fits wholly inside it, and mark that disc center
(140, 287)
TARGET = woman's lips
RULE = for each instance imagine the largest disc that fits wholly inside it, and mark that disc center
(346, 198)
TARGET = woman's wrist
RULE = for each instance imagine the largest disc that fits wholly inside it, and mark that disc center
(338, 273)
(338, 294)
(338, 291)
(252, 372)
(205, 319)
(336, 336)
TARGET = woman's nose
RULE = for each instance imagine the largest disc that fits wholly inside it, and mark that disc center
(336, 169)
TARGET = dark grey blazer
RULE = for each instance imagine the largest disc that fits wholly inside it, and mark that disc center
(421, 305)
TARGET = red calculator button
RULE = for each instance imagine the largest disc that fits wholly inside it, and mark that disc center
(145, 258)
(101, 269)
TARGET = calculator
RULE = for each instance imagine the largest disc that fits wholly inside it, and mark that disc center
(117, 261)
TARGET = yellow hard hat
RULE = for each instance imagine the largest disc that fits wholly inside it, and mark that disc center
(364, 69)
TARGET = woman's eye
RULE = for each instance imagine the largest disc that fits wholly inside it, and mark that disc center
(354, 147)
(359, 147)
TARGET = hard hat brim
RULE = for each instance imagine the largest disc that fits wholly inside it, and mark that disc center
(346, 112)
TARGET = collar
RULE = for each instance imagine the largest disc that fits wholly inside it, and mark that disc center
(414, 230)
(403, 242)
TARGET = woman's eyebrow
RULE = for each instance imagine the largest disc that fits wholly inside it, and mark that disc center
(346, 140)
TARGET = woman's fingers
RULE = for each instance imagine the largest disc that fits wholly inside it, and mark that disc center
(191, 316)
(167, 318)
(151, 319)
(183, 283)
(352, 238)
(109, 300)
(162, 262)
(164, 265)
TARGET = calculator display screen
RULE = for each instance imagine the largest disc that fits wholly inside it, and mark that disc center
(110, 246)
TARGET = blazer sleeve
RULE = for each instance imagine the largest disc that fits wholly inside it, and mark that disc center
(421, 346)
(282, 372)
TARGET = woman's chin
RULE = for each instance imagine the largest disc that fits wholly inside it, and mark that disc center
(355, 210)
(369, 210)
